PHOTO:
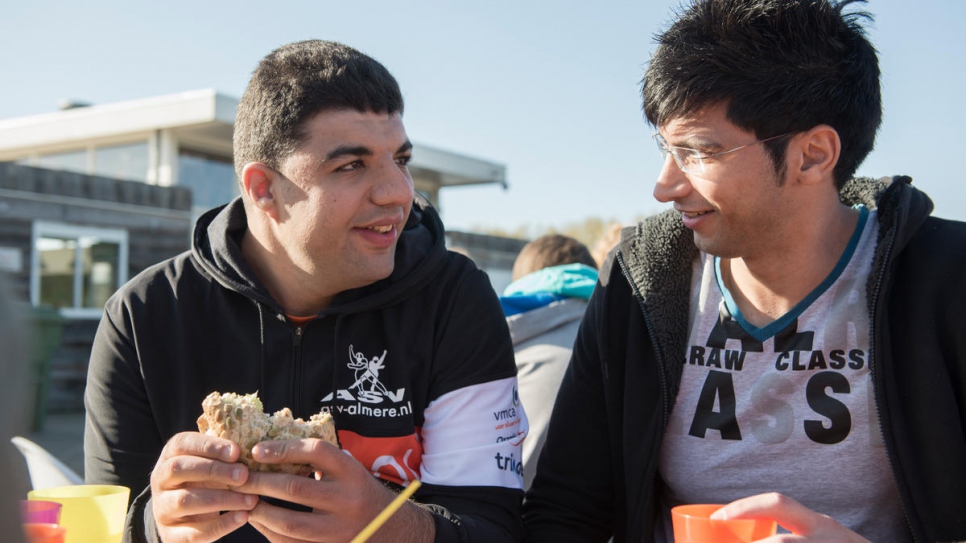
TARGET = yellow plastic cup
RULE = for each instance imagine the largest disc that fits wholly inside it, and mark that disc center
(692, 524)
(90, 513)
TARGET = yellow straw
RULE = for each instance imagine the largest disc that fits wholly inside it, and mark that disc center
(381, 518)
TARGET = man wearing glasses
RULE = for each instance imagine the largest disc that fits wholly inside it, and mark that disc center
(787, 340)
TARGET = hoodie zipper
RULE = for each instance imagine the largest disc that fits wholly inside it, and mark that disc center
(297, 362)
(890, 454)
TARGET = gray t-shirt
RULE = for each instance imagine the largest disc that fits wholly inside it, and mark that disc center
(788, 407)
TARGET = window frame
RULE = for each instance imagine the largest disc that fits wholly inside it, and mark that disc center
(41, 229)
(90, 151)
(209, 156)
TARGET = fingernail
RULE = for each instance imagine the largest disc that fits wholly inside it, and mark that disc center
(249, 500)
(259, 450)
(236, 473)
(239, 517)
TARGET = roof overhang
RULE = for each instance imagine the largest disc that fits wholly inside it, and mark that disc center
(204, 110)
(202, 118)
(452, 169)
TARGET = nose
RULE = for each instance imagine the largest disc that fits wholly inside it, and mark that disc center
(671, 183)
(393, 186)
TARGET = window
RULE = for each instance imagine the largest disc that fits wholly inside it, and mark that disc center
(75, 161)
(129, 161)
(211, 178)
(76, 269)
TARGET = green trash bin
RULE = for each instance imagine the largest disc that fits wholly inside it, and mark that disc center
(45, 327)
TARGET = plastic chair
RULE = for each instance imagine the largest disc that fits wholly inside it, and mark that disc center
(45, 469)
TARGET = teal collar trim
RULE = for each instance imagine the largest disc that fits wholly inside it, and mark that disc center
(761, 334)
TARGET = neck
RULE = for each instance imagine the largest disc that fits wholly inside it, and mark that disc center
(767, 287)
(295, 290)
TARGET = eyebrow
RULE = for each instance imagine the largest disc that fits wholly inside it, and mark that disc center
(347, 150)
(360, 150)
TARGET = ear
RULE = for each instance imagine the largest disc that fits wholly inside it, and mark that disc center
(258, 186)
(818, 152)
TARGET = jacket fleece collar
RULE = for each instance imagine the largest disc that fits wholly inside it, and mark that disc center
(657, 258)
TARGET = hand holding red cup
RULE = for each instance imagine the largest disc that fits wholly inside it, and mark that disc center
(693, 524)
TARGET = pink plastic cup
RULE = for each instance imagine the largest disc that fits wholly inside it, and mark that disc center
(692, 524)
(44, 533)
(39, 512)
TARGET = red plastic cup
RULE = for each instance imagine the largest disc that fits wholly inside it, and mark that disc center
(39, 512)
(693, 524)
(44, 533)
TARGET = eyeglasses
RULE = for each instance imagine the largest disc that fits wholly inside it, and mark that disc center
(694, 161)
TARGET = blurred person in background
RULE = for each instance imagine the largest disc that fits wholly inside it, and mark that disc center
(553, 277)
(14, 367)
(605, 243)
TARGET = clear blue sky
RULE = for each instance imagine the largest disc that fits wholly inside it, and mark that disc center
(550, 89)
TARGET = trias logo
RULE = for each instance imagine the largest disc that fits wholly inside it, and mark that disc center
(366, 387)
(508, 463)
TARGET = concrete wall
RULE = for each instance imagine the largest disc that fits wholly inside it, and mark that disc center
(493, 254)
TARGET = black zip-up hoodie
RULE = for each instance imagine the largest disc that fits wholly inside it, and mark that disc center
(417, 370)
(598, 473)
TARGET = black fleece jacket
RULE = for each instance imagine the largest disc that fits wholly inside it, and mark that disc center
(389, 361)
(597, 476)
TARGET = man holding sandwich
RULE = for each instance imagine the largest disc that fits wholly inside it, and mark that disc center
(324, 287)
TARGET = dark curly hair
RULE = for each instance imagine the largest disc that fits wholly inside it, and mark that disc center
(297, 81)
(780, 66)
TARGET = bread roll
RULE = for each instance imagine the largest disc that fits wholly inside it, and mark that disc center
(241, 419)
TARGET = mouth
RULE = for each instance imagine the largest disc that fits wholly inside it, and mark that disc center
(382, 229)
(380, 236)
(694, 214)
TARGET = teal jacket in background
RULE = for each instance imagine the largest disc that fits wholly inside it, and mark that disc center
(548, 285)
(543, 312)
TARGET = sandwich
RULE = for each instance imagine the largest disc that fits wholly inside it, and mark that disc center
(242, 419)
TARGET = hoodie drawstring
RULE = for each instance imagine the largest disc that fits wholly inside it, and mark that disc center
(335, 357)
(261, 340)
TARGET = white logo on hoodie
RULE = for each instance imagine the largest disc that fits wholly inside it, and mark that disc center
(367, 387)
